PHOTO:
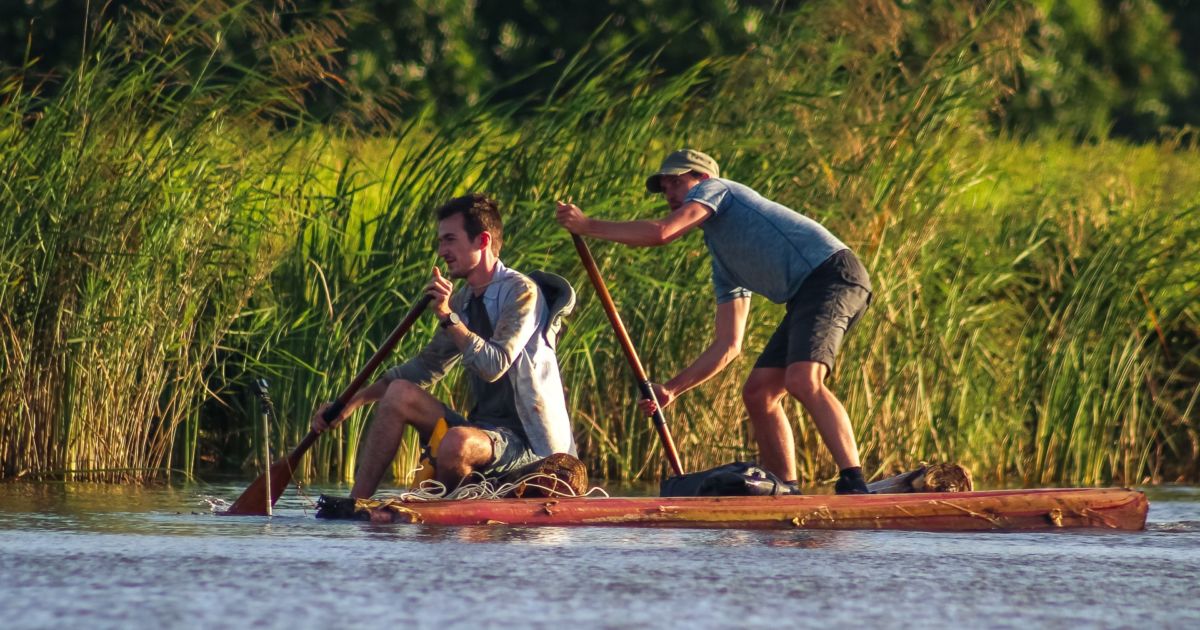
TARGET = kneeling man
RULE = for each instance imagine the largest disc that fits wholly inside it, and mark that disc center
(501, 328)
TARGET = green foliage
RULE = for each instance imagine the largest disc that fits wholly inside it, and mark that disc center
(1091, 67)
(454, 53)
(1098, 67)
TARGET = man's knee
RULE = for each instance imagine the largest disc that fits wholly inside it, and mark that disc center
(463, 446)
(406, 403)
(761, 390)
(400, 399)
(806, 381)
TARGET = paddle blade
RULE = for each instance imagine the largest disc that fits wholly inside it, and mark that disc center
(253, 501)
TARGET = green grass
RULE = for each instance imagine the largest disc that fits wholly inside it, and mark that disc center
(1035, 311)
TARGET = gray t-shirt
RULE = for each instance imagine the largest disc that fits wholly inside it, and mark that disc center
(758, 245)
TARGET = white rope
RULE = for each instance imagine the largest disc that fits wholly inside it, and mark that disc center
(433, 490)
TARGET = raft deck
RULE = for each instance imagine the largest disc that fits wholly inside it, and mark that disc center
(996, 510)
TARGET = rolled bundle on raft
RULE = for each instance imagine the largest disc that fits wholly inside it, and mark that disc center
(927, 478)
(559, 475)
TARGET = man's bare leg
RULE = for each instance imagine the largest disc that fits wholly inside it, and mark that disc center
(403, 403)
(763, 394)
(806, 381)
(462, 451)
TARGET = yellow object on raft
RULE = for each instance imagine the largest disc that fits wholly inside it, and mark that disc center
(426, 471)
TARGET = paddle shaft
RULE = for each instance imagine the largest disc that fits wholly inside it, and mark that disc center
(384, 350)
(365, 373)
(660, 422)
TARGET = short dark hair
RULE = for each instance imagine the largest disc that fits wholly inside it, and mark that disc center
(480, 214)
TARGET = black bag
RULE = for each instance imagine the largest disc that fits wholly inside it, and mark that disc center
(739, 479)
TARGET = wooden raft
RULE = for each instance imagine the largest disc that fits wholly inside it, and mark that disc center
(1045, 509)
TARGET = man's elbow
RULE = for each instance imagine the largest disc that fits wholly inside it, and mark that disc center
(491, 376)
(493, 373)
(730, 352)
(664, 235)
(655, 234)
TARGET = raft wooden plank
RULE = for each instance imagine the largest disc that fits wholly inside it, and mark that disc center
(996, 510)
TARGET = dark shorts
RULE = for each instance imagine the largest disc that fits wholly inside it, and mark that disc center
(828, 304)
(510, 451)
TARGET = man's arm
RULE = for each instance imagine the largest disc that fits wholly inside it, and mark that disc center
(641, 233)
(369, 394)
(516, 323)
(423, 370)
(730, 327)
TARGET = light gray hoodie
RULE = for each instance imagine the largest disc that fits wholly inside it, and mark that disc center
(521, 345)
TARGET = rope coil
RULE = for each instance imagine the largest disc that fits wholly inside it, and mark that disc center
(433, 490)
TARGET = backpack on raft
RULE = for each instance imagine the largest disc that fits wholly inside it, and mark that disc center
(560, 302)
(738, 479)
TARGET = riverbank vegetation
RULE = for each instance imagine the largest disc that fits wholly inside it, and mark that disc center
(173, 226)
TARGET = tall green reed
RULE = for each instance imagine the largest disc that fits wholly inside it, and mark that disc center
(1033, 318)
(139, 213)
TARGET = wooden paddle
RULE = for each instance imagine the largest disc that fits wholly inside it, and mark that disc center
(253, 501)
(660, 423)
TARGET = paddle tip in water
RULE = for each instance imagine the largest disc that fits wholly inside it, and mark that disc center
(253, 501)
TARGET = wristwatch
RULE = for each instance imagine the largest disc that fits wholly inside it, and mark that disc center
(450, 320)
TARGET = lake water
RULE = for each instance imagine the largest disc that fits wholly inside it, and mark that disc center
(78, 555)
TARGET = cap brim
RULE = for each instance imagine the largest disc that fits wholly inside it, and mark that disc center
(652, 183)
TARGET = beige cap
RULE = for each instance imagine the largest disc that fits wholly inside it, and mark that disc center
(680, 162)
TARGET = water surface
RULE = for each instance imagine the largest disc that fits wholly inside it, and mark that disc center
(133, 557)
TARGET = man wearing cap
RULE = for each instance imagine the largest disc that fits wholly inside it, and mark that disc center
(759, 246)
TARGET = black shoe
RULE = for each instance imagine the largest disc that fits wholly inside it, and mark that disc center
(849, 485)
